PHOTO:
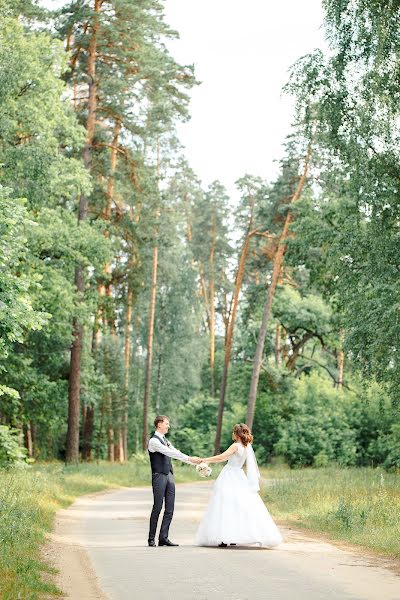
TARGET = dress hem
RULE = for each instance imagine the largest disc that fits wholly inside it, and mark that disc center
(211, 544)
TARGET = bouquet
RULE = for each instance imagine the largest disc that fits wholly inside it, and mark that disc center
(203, 469)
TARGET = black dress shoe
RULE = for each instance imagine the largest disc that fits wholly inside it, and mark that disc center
(152, 543)
(166, 542)
(222, 545)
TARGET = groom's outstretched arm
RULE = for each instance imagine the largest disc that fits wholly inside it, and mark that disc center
(157, 446)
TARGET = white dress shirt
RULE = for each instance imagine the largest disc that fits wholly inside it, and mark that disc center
(156, 445)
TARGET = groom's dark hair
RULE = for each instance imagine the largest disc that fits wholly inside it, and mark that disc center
(159, 419)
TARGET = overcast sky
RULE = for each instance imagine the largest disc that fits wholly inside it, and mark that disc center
(242, 51)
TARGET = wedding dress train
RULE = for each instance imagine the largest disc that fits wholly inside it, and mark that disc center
(236, 513)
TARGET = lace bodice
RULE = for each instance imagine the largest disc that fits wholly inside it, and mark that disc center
(239, 458)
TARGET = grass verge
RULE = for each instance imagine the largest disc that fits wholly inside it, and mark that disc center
(356, 505)
(360, 506)
(29, 499)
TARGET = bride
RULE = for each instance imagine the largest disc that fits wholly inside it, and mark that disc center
(235, 513)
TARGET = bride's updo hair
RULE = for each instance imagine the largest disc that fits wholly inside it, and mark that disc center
(243, 432)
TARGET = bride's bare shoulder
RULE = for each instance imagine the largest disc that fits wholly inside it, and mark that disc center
(235, 446)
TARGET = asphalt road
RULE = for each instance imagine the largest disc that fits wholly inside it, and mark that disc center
(100, 545)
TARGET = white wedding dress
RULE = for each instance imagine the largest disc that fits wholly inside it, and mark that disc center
(236, 513)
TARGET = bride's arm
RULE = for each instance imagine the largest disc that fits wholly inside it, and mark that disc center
(224, 456)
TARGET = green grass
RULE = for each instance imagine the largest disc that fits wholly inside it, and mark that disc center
(29, 500)
(356, 505)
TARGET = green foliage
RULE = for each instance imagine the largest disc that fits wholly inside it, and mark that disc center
(195, 425)
(36, 119)
(12, 452)
(318, 431)
(307, 313)
(272, 414)
(26, 8)
(17, 314)
(40, 241)
(348, 233)
(388, 447)
(178, 350)
(307, 421)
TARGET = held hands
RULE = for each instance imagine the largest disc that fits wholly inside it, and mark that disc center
(197, 460)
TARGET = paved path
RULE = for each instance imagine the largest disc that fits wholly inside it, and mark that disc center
(109, 532)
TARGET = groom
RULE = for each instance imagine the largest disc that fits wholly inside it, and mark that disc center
(161, 452)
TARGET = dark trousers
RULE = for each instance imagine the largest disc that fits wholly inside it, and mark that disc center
(163, 488)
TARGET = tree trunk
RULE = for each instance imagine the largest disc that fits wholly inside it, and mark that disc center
(83, 421)
(203, 292)
(229, 337)
(100, 434)
(150, 338)
(88, 422)
(72, 450)
(212, 309)
(96, 332)
(340, 360)
(188, 225)
(158, 393)
(127, 358)
(113, 412)
(28, 439)
(256, 272)
(212, 337)
(113, 164)
(88, 429)
(72, 445)
(340, 363)
(296, 349)
(278, 346)
(107, 217)
(117, 434)
(278, 259)
(122, 455)
(107, 406)
(284, 348)
(110, 429)
(114, 435)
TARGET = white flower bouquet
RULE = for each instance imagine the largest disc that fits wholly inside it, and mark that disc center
(203, 469)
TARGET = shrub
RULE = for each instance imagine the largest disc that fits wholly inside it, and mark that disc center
(12, 453)
(318, 430)
(392, 444)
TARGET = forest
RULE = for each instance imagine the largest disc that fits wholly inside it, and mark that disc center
(129, 289)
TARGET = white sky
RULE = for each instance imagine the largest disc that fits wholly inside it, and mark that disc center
(242, 51)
